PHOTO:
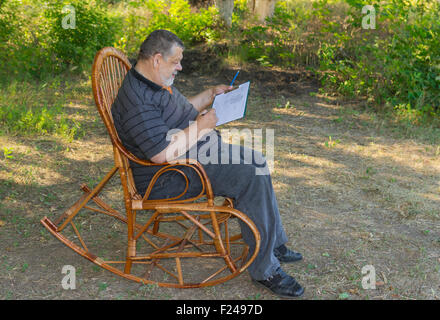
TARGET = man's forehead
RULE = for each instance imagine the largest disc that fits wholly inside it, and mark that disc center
(176, 53)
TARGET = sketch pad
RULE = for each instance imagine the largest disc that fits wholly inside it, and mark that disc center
(231, 106)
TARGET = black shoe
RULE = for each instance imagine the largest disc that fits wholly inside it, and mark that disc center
(282, 285)
(286, 255)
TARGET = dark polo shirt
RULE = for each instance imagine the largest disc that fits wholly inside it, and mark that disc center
(143, 113)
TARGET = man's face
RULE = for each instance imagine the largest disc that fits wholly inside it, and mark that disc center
(170, 65)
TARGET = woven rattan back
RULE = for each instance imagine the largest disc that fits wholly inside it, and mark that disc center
(109, 69)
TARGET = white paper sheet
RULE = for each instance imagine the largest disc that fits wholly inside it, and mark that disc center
(231, 106)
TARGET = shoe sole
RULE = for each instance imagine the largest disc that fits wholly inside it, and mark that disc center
(292, 261)
(255, 282)
(289, 261)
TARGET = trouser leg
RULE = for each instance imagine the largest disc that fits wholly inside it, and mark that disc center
(258, 202)
(253, 195)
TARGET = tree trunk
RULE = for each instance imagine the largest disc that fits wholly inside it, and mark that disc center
(262, 8)
(225, 8)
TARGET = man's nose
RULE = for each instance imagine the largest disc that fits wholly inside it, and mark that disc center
(179, 67)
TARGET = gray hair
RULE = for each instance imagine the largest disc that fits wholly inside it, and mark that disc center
(159, 41)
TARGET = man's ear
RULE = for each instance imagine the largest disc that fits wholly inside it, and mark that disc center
(156, 60)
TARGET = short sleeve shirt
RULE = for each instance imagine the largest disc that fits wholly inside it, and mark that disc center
(144, 113)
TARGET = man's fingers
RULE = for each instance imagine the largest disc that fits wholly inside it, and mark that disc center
(222, 88)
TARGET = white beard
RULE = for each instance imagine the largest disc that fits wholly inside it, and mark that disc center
(169, 82)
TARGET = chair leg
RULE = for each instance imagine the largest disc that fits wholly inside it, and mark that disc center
(70, 213)
(131, 252)
(131, 248)
(219, 243)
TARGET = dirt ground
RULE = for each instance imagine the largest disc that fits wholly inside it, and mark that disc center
(353, 191)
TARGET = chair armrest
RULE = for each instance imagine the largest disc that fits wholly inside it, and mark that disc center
(196, 166)
(206, 184)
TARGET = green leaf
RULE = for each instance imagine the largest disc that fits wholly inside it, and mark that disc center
(344, 295)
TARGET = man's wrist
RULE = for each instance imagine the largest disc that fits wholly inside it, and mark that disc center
(212, 94)
(199, 125)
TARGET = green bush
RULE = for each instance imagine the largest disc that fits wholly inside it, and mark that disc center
(93, 28)
(7, 17)
(290, 38)
(268, 44)
(190, 25)
(396, 66)
(13, 38)
(34, 42)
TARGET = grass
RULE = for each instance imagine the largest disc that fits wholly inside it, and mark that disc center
(40, 108)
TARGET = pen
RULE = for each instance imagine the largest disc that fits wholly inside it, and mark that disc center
(234, 78)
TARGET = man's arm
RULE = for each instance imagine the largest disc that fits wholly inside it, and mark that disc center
(183, 140)
(204, 99)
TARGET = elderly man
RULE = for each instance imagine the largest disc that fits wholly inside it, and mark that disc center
(156, 122)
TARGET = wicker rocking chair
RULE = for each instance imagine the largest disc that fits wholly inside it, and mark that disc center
(172, 243)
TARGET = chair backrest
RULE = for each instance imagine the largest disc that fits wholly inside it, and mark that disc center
(109, 69)
(108, 72)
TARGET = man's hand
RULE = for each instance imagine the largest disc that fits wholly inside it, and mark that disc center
(183, 140)
(205, 98)
(218, 89)
(221, 88)
(207, 119)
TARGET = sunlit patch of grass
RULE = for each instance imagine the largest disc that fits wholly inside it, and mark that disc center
(38, 108)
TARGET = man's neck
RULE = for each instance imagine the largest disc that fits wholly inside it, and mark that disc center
(144, 70)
